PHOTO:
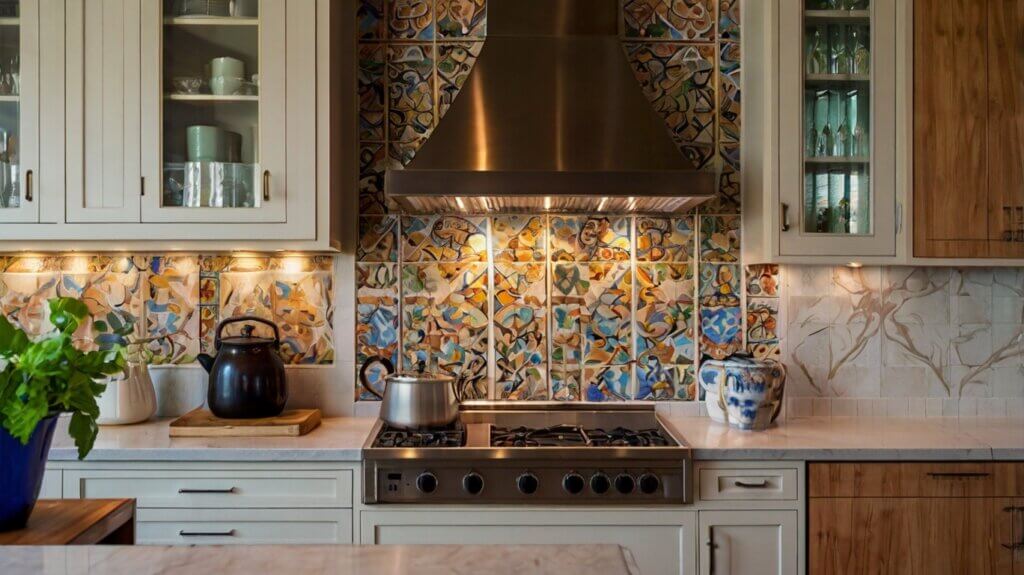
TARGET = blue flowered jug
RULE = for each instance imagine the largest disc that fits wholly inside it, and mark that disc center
(744, 392)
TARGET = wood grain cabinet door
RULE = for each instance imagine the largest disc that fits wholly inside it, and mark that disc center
(909, 536)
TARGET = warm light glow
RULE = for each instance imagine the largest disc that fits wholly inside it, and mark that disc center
(547, 202)
(293, 265)
(76, 265)
(600, 206)
(854, 265)
(483, 162)
(462, 205)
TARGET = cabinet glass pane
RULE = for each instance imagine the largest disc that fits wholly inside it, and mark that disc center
(10, 109)
(837, 117)
(211, 112)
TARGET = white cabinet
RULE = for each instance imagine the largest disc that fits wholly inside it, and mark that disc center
(243, 526)
(748, 543)
(820, 152)
(661, 541)
(19, 111)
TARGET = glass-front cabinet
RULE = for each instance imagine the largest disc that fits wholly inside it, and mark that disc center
(219, 121)
(19, 110)
(837, 128)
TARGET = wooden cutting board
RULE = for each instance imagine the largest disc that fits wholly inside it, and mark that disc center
(201, 423)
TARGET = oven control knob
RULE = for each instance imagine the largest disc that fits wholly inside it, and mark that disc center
(473, 483)
(625, 484)
(527, 483)
(600, 484)
(649, 483)
(426, 482)
(573, 483)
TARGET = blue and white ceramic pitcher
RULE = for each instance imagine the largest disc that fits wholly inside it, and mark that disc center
(743, 392)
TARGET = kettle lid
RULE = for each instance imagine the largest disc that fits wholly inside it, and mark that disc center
(246, 338)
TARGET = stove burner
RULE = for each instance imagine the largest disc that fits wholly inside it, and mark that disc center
(554, 436)
(390, 437)
(622, 437)
(577, 436)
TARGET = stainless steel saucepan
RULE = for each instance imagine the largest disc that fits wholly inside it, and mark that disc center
(415, 400)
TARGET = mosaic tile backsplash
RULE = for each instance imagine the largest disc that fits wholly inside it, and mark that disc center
(180, 296)
(552, 306)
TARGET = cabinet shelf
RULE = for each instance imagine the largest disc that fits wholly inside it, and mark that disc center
(838, 160)
(815, 16)
(10, 21)
(825, 79)
(210, 98)
(10, 98)
(211, 21)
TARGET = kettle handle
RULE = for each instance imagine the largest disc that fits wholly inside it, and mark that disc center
(388, 366)
(243, 318)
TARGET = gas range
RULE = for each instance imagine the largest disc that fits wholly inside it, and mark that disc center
(551, 453)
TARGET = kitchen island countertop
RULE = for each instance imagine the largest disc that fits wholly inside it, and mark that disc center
(313, 559)
(340, 439)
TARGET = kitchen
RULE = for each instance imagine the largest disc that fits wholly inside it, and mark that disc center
(524, 226)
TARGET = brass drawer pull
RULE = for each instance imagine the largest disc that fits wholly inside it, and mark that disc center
(185, 490)
(266, 185)
(785, 217)
(759, 485)
(28, 186)
(228, 533)
(957, 474)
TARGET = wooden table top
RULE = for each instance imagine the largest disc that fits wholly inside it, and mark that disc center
(73, 522)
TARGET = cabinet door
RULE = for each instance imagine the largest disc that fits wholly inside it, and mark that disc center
(896, 536)
(837, 112)
(662, 543)
(1011, 534)
(19, 111)
(216, 107)
(102, 99)
(748, 542)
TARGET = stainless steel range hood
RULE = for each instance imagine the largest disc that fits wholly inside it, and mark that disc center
(550, 118)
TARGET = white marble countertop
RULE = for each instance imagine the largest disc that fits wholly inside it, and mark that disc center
(858, 438)
(314, 559)
(336, 439)
(809, 438)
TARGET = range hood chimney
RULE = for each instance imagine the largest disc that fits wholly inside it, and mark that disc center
(551, 118)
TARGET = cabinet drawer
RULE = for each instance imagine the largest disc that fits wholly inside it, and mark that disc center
(214, 489)
(753, 484)
(985, 479)
(243, 526)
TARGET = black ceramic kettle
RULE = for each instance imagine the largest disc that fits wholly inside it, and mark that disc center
(247, 378)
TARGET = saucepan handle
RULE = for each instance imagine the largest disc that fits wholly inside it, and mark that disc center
(365, 382)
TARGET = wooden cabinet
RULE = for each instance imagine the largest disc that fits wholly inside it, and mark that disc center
(741, 542)
(111, 117)
(914, 518)
(968, 128)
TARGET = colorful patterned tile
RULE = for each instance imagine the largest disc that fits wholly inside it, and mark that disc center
(518, 238)
(23, 298)
(665, 239)
(411, 19)
(295, 264)
(606, 317)
(729, 102)
(214, 264)
(377, 312)
(565, 382)
(401, 153)
(728, 199)
(720, 239)
(378, 239)
(520, 327)
(669, 19)
(762, 319)
(660, 382)
(526, 382)
(729, 20)
(303, 306)
(589, 238)
(372, 163)
(376, 375)
(371, 92)
(247, 293)
(665, 313)
(444, 320)
(454, 62)
(32, 264)
(568, 286)
(721, 326)
(763, 280)
(765, 350)
(607, 382)
(410, 91)
(112, 288)
(678, 79)
(721, 280)
(444, 238)
(208, 318)
(371, 19)
(209, 290)
(462, 18)
(730, 153)
(172, 309)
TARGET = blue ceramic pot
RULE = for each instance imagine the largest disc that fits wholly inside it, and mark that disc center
(21, 473)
